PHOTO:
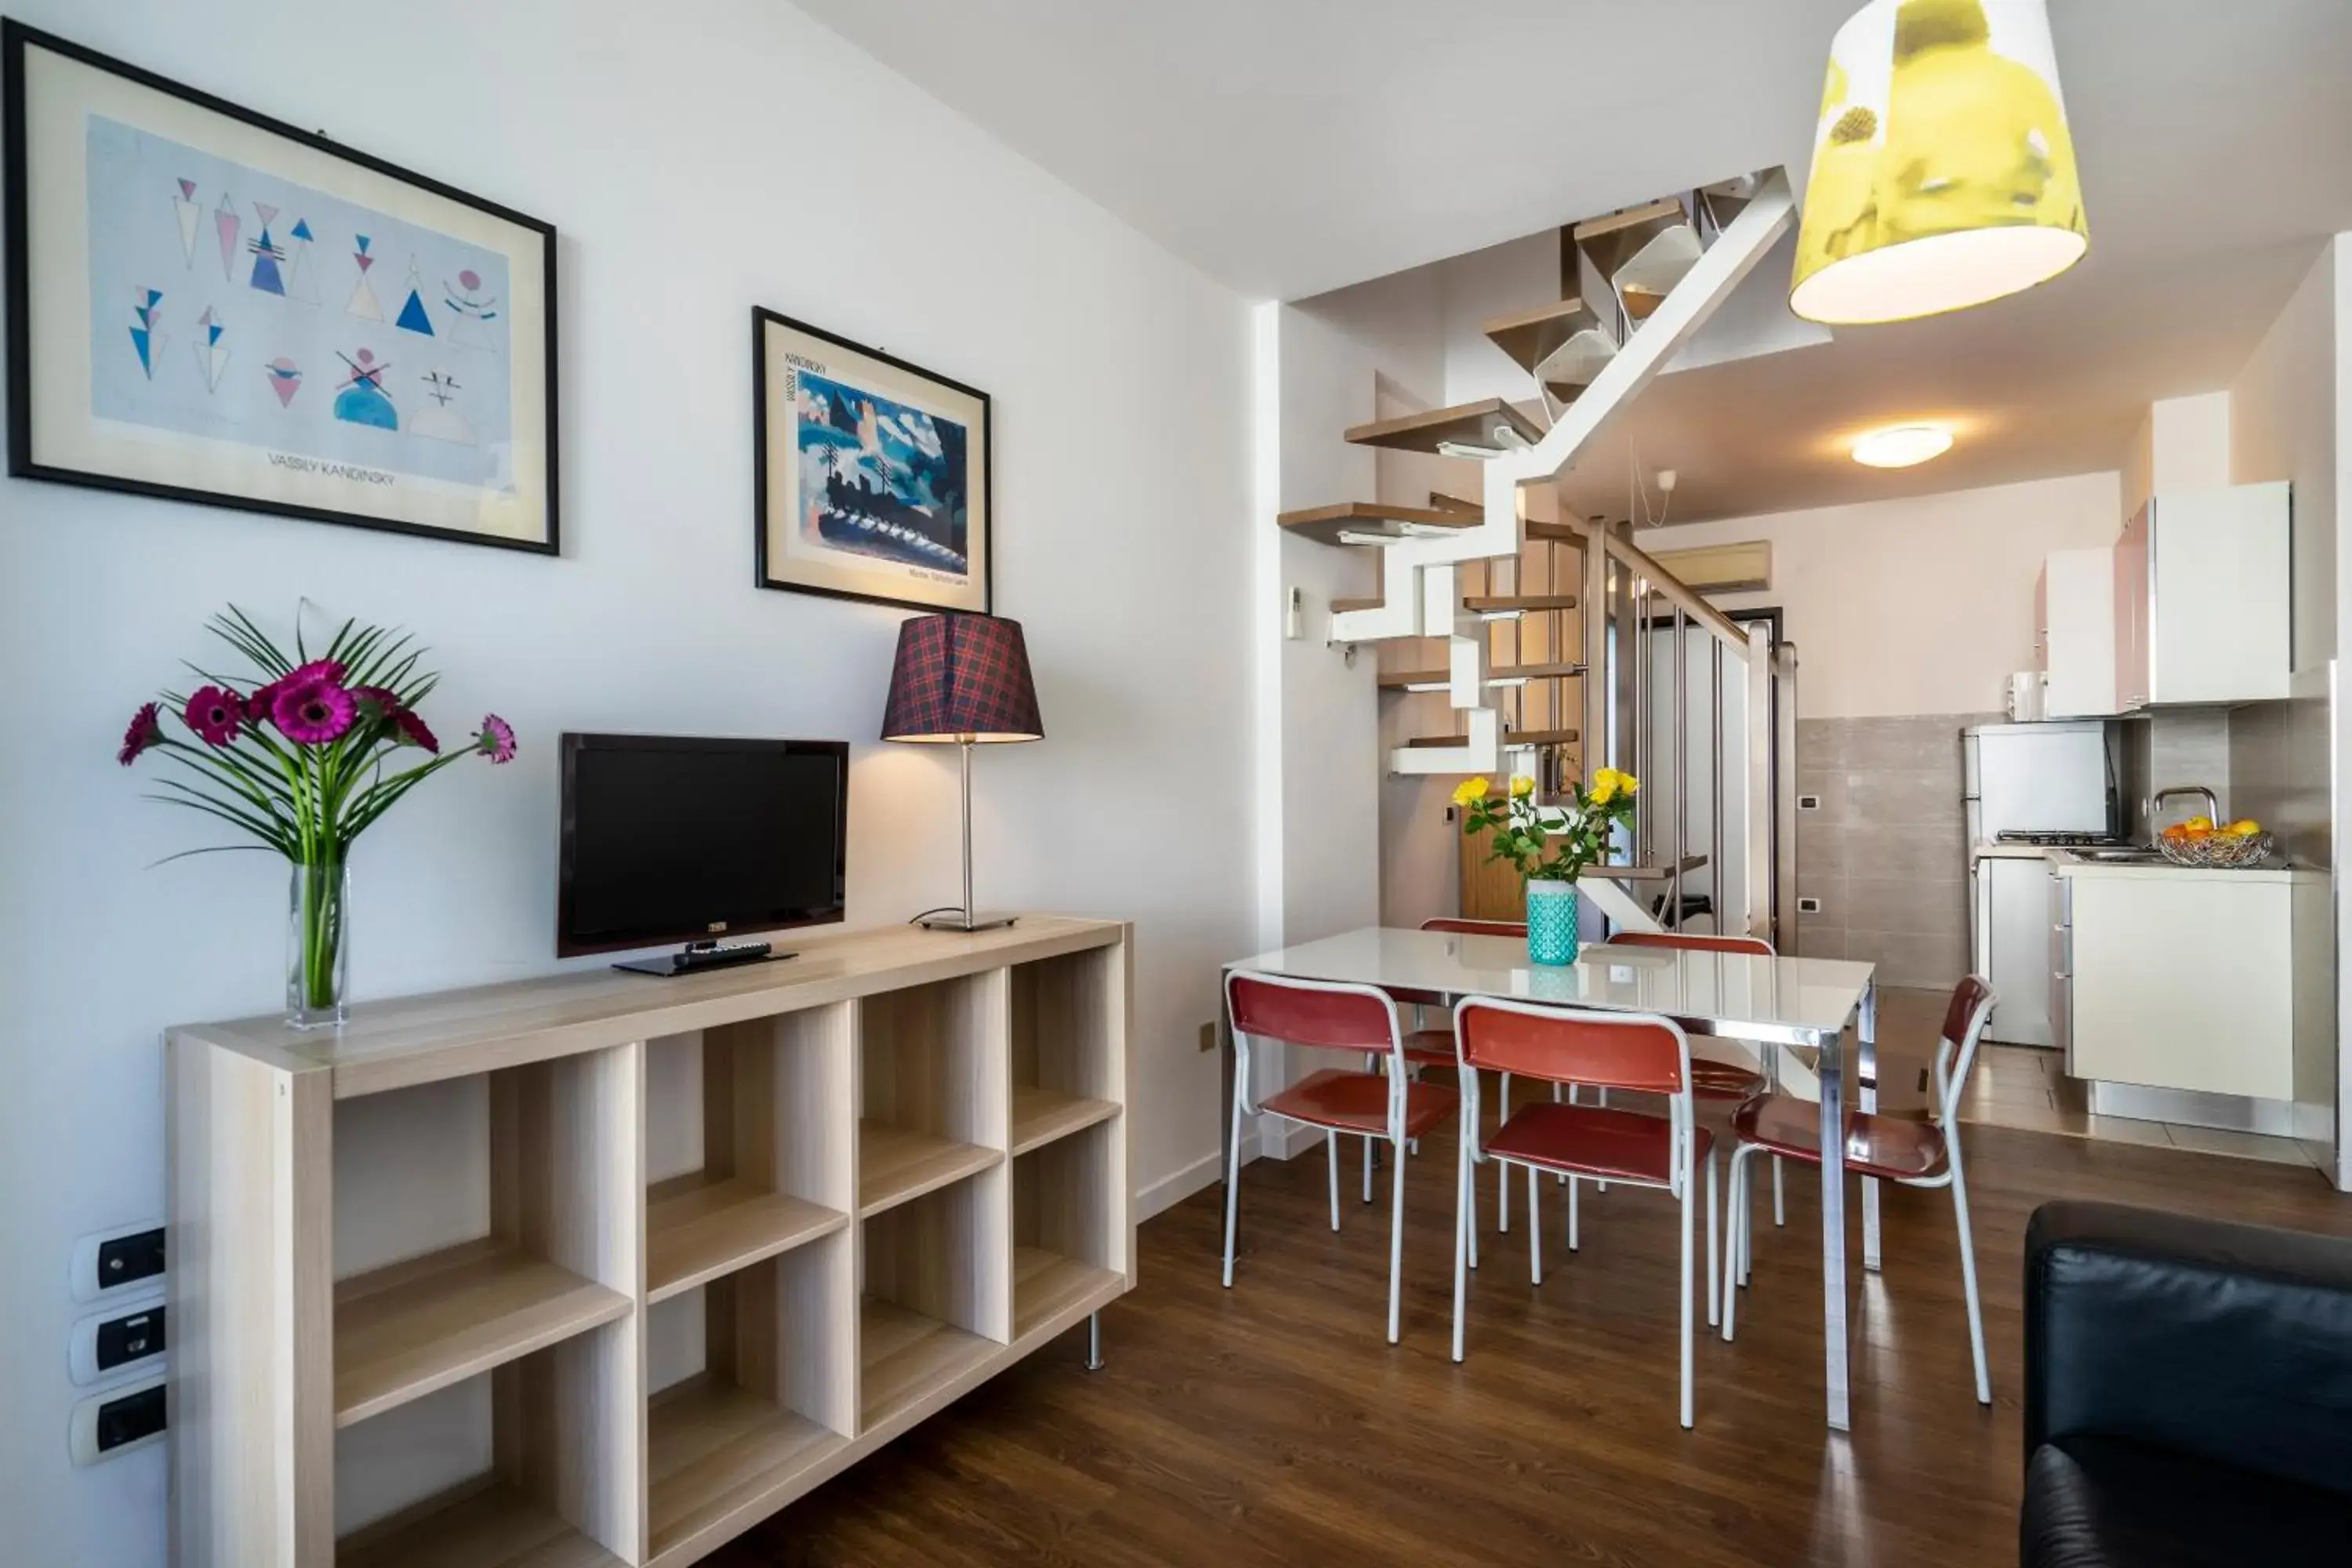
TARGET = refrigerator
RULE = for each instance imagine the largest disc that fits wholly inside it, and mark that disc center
(2049, 780)
(2038, 778)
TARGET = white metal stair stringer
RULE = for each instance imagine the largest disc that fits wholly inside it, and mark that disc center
(1689, 307)
(1420, 582)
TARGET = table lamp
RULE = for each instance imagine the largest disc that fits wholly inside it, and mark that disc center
(963, 679)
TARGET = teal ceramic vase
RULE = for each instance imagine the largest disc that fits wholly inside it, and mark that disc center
(1551, 922)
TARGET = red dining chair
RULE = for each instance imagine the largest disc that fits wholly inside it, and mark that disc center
(1425, 1047)
(1711, 1077)
(1632, 1051)
(1891, 1148)
(1332, 1016)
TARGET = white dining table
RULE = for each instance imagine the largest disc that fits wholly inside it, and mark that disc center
(1768, 1002)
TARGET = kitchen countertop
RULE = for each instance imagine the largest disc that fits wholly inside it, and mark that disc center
(1993, 849)
(2068, 864)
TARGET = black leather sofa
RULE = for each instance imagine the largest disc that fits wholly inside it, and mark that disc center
(2187, 1392)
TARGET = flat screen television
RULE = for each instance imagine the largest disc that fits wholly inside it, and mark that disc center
(671, 838)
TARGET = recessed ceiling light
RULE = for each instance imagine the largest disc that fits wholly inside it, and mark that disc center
(1902, 446)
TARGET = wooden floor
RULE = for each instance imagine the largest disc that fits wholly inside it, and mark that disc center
(1271, 1424)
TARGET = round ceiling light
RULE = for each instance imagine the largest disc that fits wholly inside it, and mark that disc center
(1903, 445)
(1943, 170)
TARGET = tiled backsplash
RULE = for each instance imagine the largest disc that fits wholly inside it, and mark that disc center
(1885, 851)
(2173, 746)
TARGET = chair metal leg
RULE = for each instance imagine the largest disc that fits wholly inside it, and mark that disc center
(1739, 1251)
(1602, 1187)
(1535, 1231)
(1556, 1097)
(1466, 1228)
(1094, 1342)
(1780, 1202)
(1503, 1171)
(1331, 1158)
(1233, 1181)
(1396, 1243)
(1714, 1256)
(1690, 1207)
(1571, 1213)
(1739, 1238)
(1368, 1157)
(1969, 1279)
(1470, 1200)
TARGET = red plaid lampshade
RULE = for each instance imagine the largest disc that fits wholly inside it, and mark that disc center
(962, 677)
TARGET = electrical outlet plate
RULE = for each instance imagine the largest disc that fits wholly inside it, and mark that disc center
(82, 1355)
(85, 1280)
(1806, 906)
(83, 1439)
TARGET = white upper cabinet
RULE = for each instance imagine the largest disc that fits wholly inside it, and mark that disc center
(2202, 606)
(2076, 596)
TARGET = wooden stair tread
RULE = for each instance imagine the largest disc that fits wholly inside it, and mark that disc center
(404, 1331)
(1531, 337)
(695, 1235)
(473, 1525)
(1476, 604)
(1510, 738)
(1481, 603)
(1500, 672)
(717, 1454)
(895, 1164)
(1555, 533)
(1468, 424)
(1325, 524)
(1042, 1115)
(904, 1357)
(1046, 1283)
(1441, 501)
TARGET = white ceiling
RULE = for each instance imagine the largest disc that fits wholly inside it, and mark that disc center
(1288, 147)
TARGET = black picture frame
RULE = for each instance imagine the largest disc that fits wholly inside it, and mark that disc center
(16, 39)
(764, 565)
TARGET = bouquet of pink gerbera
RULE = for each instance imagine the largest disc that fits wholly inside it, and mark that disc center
(304, 755)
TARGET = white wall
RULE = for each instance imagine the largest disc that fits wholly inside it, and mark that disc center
(2283, 426)
(1916, 606)
(698, 156)
(1329, 759)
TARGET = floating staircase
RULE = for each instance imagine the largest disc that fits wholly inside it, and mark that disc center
(1486, 428)
(1636, 286)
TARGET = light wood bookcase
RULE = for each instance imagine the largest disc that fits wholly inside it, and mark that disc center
(915, 1171)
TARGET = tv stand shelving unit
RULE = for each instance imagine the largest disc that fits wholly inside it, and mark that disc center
(915, 1173)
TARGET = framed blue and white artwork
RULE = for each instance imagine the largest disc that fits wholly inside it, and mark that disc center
(210, 306)
(870, 475)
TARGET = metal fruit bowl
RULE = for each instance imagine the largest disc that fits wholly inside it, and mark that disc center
(2223, 850)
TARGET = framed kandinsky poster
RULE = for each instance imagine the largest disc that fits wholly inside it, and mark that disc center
(871, 475)
(208, 305)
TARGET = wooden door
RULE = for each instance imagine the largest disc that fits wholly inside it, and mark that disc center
(1491, 889)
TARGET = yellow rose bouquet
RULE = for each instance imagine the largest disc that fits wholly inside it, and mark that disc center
(1548, 843)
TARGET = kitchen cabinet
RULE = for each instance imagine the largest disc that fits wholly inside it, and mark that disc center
(2173, 978)
(2202, 599)
(2075, 597)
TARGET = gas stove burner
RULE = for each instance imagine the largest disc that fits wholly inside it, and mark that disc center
(2057, 841)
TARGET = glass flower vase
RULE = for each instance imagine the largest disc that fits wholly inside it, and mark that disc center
(318, 943)
(1551, 922)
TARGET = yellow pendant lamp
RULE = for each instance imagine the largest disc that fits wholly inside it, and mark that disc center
(1943, 172)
